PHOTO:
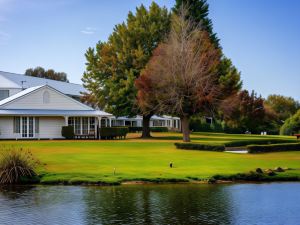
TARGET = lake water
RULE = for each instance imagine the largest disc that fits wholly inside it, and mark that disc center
(276, 203)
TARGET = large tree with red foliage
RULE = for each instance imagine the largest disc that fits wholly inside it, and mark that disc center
(181, 78)
(247, 112)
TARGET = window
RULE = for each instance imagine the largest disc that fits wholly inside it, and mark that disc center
(71, 121)
(4, 94)
(24, 126)
(37, 125)
(85, 125)
(82, 125)
(158, 123)
(17, 125)
(77, 125)
(30, 127)
(46, 97)
(92, 124)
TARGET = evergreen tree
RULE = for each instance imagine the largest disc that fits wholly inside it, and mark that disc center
(229, 76)
(113, 66)
(198, 11)
(48, 74)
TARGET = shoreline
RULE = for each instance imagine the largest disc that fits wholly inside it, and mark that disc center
(143, 182)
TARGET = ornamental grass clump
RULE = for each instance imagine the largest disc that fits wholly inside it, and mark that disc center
(17, 165)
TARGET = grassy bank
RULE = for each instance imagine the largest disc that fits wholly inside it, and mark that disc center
(148, 160)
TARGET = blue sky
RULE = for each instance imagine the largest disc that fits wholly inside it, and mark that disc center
(261, 37)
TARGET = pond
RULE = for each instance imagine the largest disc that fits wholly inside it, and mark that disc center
(275, 203)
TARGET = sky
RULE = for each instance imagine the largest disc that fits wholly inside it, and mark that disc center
(262, 38)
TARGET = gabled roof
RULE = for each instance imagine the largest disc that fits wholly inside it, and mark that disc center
(33, 89)
(13, 80)
(19, 95)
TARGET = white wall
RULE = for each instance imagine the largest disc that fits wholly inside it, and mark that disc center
(50, 127)
(6, 128)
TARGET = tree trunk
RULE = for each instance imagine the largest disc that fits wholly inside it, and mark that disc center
(146, 126)
(185, 122)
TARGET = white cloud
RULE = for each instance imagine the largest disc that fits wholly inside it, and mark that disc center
(89, 30)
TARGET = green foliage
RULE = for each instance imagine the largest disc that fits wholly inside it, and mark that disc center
(113, 66)
(198, 11)
(49, 74)
(229, 76)
(135, 129)
(284, 107)
(68, 132)
(159, 129)
(245, 112)
(152, 129)
(113, 132)
(199, 124)
(291, 125)
(273, 148)
(241, 143)
(17, 166)
(201, 147)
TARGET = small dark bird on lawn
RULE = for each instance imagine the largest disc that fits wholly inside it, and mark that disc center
(171, 165)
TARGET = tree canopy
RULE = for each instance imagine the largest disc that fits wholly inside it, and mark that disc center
(198, 11)
(291, 125)
(49, 74)
(229, 76)
(113, 66)
(182, 74)
(283, 106)
(247, 112)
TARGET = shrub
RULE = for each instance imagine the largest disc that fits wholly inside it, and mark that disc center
(17, 166)
(113, 132)
(67, 132)
(273, 148)
(199, 124)
(195, 146)
(291, 125)
(241, 143)
(159, 129)
(135, 129)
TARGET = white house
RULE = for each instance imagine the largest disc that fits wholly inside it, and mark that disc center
(38, 108)
(172, 123)
(41, 112)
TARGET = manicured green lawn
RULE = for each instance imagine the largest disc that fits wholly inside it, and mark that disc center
(135, 159)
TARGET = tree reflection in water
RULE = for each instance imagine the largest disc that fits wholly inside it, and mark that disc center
(158, 204)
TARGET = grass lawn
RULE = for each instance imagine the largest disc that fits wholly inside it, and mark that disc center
(136, 159)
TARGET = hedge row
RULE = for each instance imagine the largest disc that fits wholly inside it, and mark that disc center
(135, 129)
(241, 143)
(194, 146)
(113, 132)
(273, 148)
(159, 129)
(152, 129)
(67, 132)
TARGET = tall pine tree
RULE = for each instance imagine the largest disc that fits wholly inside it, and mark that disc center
(198, 11)
(229, 76)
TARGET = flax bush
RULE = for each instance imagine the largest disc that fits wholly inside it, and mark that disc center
(17, 165)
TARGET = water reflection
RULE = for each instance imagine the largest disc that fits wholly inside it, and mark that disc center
(166, 204)
(152, 204)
